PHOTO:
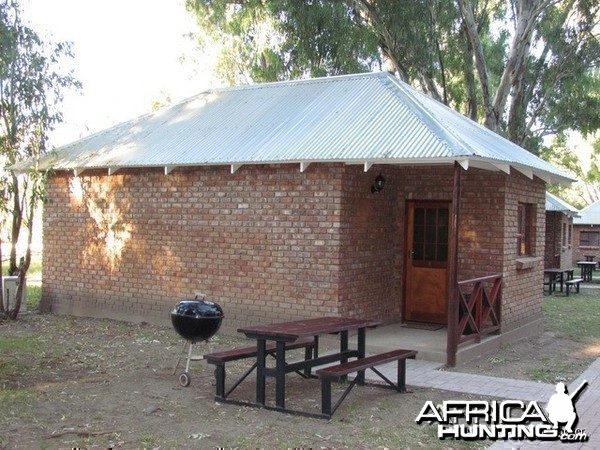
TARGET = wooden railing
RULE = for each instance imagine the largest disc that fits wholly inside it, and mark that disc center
(479, 301)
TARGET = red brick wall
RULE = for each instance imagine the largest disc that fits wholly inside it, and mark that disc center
(559, 240)
(553, 239)
(263, 242)
(580, 252)
(270, 243)
(523, 288)
(369, 277)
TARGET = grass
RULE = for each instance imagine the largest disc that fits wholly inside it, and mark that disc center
(577, 316)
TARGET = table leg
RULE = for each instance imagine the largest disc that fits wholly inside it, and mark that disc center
(343, 348)
(551, 281)
(261, 356)
(280, 374)
(361, 347)
(562, 279)
(310, 353)
(343, 344)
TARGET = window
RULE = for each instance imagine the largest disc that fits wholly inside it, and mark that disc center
(564, 234)
(589, 239)
(430, 235)
(524, 229)
(570, 235)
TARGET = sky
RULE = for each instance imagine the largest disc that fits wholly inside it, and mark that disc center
(128, 53)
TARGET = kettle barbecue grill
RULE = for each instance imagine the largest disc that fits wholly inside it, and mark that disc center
(195, 320)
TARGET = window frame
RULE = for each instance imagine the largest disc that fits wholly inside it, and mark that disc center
(589, 232)
(525, 215)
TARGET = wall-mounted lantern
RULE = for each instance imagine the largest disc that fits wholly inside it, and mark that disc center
(378, 185)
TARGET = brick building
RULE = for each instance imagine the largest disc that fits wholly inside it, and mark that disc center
(586, 233)
(559, 233)
(332, 196)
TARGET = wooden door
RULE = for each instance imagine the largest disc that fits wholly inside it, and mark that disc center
(426, 262)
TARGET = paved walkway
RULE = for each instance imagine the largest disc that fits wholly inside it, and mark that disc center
(427, 374)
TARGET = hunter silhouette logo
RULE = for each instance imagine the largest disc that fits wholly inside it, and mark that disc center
(508, 419)
(561, 407)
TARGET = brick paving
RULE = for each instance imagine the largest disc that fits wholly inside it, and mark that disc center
(428, 374)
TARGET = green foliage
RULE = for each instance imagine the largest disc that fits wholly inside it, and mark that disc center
(586, 168)
(527, 86)
(30, 92)
(285, 39)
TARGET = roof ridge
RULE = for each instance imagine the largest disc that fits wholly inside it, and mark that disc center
(284, 83)
(439, 129)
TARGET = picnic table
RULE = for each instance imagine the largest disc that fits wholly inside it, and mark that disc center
(277, 339)
(586, 269)
(284, 332)
(556, 274)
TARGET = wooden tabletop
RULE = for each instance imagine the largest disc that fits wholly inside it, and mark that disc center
(290, 331)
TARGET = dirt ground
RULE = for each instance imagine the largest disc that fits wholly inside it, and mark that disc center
(82, 383)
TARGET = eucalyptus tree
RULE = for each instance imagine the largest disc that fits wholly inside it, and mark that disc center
(31, 88)
(524, 68)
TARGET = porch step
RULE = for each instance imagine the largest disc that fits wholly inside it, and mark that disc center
(431, 345)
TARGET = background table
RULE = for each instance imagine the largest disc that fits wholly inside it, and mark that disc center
(586, 269)
(552, 273)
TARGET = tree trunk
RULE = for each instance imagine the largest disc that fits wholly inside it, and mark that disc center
(23, 267)
(526, 15)
(17, 220)
(511, 82)
(470, 78)
(470, 27)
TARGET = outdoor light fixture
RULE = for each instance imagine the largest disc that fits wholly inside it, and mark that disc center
(378, 184)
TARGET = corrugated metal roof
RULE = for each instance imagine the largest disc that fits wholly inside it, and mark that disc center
(366, 118)
(590, 215)
(554, 203)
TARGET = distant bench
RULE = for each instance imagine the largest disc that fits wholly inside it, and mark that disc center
(574, 282)
(219, 359)
(340, 371)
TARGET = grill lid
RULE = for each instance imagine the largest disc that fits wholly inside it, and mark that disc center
(196, 320)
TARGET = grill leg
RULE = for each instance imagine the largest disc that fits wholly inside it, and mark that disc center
(179, 359)
(189, 357)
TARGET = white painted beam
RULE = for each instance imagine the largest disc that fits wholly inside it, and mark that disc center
(502, 167)
(464, 163)
(525, 171)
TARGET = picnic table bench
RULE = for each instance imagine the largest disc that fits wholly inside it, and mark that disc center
(340, 371)
(574, 282)
(219, 359)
